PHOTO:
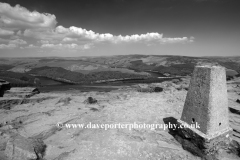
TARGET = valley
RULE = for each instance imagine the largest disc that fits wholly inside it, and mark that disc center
(91, 70)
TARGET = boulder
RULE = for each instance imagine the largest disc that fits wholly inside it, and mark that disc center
(176, 81)
(65, 101)
(158, 89)
(22, 148)
(91, 100)
(238, 101)
(182, 87)
(228, 78)
(148, 88)
(4, 85)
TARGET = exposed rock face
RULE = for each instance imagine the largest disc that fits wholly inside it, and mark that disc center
(4, 85)
(37, 117)
(18, 95)
(21, 148)
(4, 137)
(9, 103)
(22, 92)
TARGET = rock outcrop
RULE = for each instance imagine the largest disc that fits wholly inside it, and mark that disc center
(238, 101)
(22, 148)
(148, 88)
(9, 103)
(22, 92)
(16, 96)
(48, 116)
(4, 137)
(90, 100)
(4, 85)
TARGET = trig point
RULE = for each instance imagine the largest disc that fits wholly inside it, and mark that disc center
(207, 105)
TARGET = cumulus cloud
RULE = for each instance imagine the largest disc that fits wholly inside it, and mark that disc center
(4, 40)
(4, 32)
(65, 46)
(87, 46)
(7, 46)
(90, 35)
(42, 28)
(67, 39)
(45, 35)
(18, 17)
(11, 43)
(75, 34)
(17, 41)
(43, 42)
(31, 46)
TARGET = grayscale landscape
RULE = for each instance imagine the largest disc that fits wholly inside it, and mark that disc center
(120, 69)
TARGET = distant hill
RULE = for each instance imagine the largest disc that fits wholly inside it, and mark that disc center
(4, 67)
(64, 75)
(104, 67)
(17, 79)
(174, 65)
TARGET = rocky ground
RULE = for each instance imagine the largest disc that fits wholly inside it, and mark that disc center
(36, 117)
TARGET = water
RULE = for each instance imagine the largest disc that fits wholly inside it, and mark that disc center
(82, 88)
(49, 85)
(47, 81)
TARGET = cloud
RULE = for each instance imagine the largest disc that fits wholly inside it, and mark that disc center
(79, 35)
(17, 42)
(7, 46)
(43, 42)
(87, 46)
(4, 32)
(41, 28)
(31, 46)
(20, 18)
(3, 40)
(65, 46)
(11, 43)
(67, 39)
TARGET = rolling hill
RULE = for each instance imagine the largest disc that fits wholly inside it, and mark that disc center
(90, 69)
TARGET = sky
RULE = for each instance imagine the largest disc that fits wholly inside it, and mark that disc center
(73, 28)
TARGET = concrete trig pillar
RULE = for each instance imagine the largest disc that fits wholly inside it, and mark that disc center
(207, 105)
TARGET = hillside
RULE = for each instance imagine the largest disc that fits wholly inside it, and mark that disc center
(17, 79)
(64, 75)
(92, 69)
(133, 64)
